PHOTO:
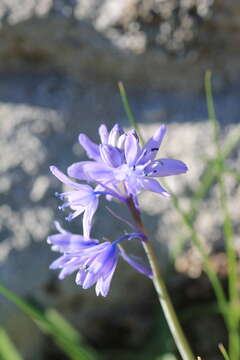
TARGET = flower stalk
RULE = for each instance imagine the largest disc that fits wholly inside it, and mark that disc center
(161, 289)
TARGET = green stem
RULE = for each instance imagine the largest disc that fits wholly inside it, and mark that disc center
(162, 292)
(128, 110)
(233, 319)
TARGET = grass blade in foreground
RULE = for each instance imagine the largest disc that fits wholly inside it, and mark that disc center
(7, 348)
(51, 323)
(216, 284)
(207, 180)
(128, 110)
(233, 318)
(223, 352)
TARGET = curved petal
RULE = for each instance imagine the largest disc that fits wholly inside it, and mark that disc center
(133, 185)
(110, 155)
(154, 186)
(60, 262)
(60, 229)
(77, 170)
(121, 141)
(131, 149)
(63, 178)
(103, 133)
(70, 242)
(114, 134)
(89, 280)
(143, 269)
(166, 167)
(103, 284)
(105, 260)
(90, 147)
(88, 217)
(99, 172)
(151, 148)
(69, 269)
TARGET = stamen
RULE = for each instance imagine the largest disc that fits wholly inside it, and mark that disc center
(62, 207)
(59, 195)
(69, 217)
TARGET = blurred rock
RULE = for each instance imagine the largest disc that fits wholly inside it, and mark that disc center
(166, 43)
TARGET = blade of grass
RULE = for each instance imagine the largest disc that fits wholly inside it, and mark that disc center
(207, 180)
(48, 324)
(223, 352)
(234, 344)
(55, 318)
(8, 350)
(216, 284)
(210, 175)
(128, 110)
(200, 193)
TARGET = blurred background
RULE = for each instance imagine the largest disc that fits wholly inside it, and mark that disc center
(60, 61)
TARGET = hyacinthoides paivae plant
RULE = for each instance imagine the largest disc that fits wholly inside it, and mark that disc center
(118, 168)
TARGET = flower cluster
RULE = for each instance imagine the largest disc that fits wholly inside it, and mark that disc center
(118, 168)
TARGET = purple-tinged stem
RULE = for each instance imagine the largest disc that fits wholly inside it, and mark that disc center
(161, 289)
(121, 218)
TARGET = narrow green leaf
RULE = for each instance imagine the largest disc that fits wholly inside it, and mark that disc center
(223, 352)
(55, 318)
(51, 323)
(8, 350)
(233, 319)
(128, 110)
(216, 284)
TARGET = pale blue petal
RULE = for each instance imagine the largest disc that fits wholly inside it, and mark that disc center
(131, 149)
(151, 148)
(114, 134)
(90, 279)
(60, 262)
(88, 217)
(165, 167)
(77, 170)
(103, 284)
(99, 172)
(154, 186)
(143, 269)
(70, 242)
(90, 147)
(103, 133)
(63, 178)
(110, 155)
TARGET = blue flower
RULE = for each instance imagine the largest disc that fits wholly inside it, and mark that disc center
(94, 262)
(83, 199)
(121, 163)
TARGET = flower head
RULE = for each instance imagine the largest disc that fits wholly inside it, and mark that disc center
(120, 161)
(83, 199)
(94, 262)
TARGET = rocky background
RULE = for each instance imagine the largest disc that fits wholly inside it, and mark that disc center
(60, 61)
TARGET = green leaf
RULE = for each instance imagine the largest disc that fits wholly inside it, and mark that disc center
(128, 110)
(233, 318)
(223, 352)
(53, 324)
(8, 350)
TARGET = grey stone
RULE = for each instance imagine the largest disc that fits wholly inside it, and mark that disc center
(164, 44)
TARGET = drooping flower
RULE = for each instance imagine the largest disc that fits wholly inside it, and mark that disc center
(120, 160)
(94, 262)
(68, 244)
(83, 199)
